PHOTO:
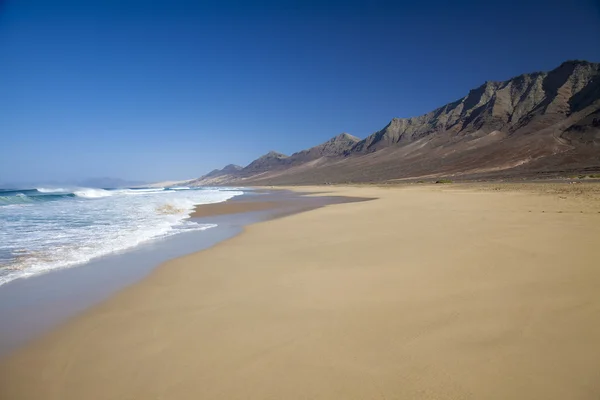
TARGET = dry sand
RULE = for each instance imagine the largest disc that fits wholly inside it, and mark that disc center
(426, 293)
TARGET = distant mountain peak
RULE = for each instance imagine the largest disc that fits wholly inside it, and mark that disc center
(273, 154)
(336, 146)
(344, 137)
(231, 167)
(219, 173)
(271, 160)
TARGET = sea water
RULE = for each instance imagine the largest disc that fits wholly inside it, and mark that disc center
(44, 229)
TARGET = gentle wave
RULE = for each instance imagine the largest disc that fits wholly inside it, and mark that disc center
(14, 199)
(47, 231)
(11, 197)
(12, 192)
(21, 198)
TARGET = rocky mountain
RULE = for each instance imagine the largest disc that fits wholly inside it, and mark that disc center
(507, 106)
(533, 125)
(269, 162)
(336, 146)
(217, 176)
(228, 169)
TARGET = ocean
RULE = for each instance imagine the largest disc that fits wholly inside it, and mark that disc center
(44, 229)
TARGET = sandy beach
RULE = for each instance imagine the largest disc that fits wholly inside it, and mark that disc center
(427, 292)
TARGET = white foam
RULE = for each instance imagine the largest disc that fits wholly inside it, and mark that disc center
(72, 231)
(148, 190)
(89, 193)
(138, 192)
(52, 190)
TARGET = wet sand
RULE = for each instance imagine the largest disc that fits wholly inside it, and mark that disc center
(427, 292)
(277, 202)
(31, 307)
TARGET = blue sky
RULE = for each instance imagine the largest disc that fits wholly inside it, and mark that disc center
(152, 91)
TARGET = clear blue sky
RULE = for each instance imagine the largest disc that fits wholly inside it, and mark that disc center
(171, 89)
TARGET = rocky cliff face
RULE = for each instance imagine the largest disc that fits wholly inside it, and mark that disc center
(508, 106)
(535, 124)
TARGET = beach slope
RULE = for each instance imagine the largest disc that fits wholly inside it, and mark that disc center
(428, 292)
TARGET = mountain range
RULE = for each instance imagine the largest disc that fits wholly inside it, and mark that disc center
(541, 124)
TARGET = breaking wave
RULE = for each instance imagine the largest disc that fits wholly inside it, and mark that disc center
(92, 193)
(51, 229)
(42, 194)
(52, 190)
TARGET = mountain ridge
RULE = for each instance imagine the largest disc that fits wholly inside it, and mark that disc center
(532, 124)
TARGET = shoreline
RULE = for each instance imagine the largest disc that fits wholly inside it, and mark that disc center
(32, 307)
(277, 204)
(448, 291)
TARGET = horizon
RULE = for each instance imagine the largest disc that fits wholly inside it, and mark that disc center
(105, 182)
(147, 93)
